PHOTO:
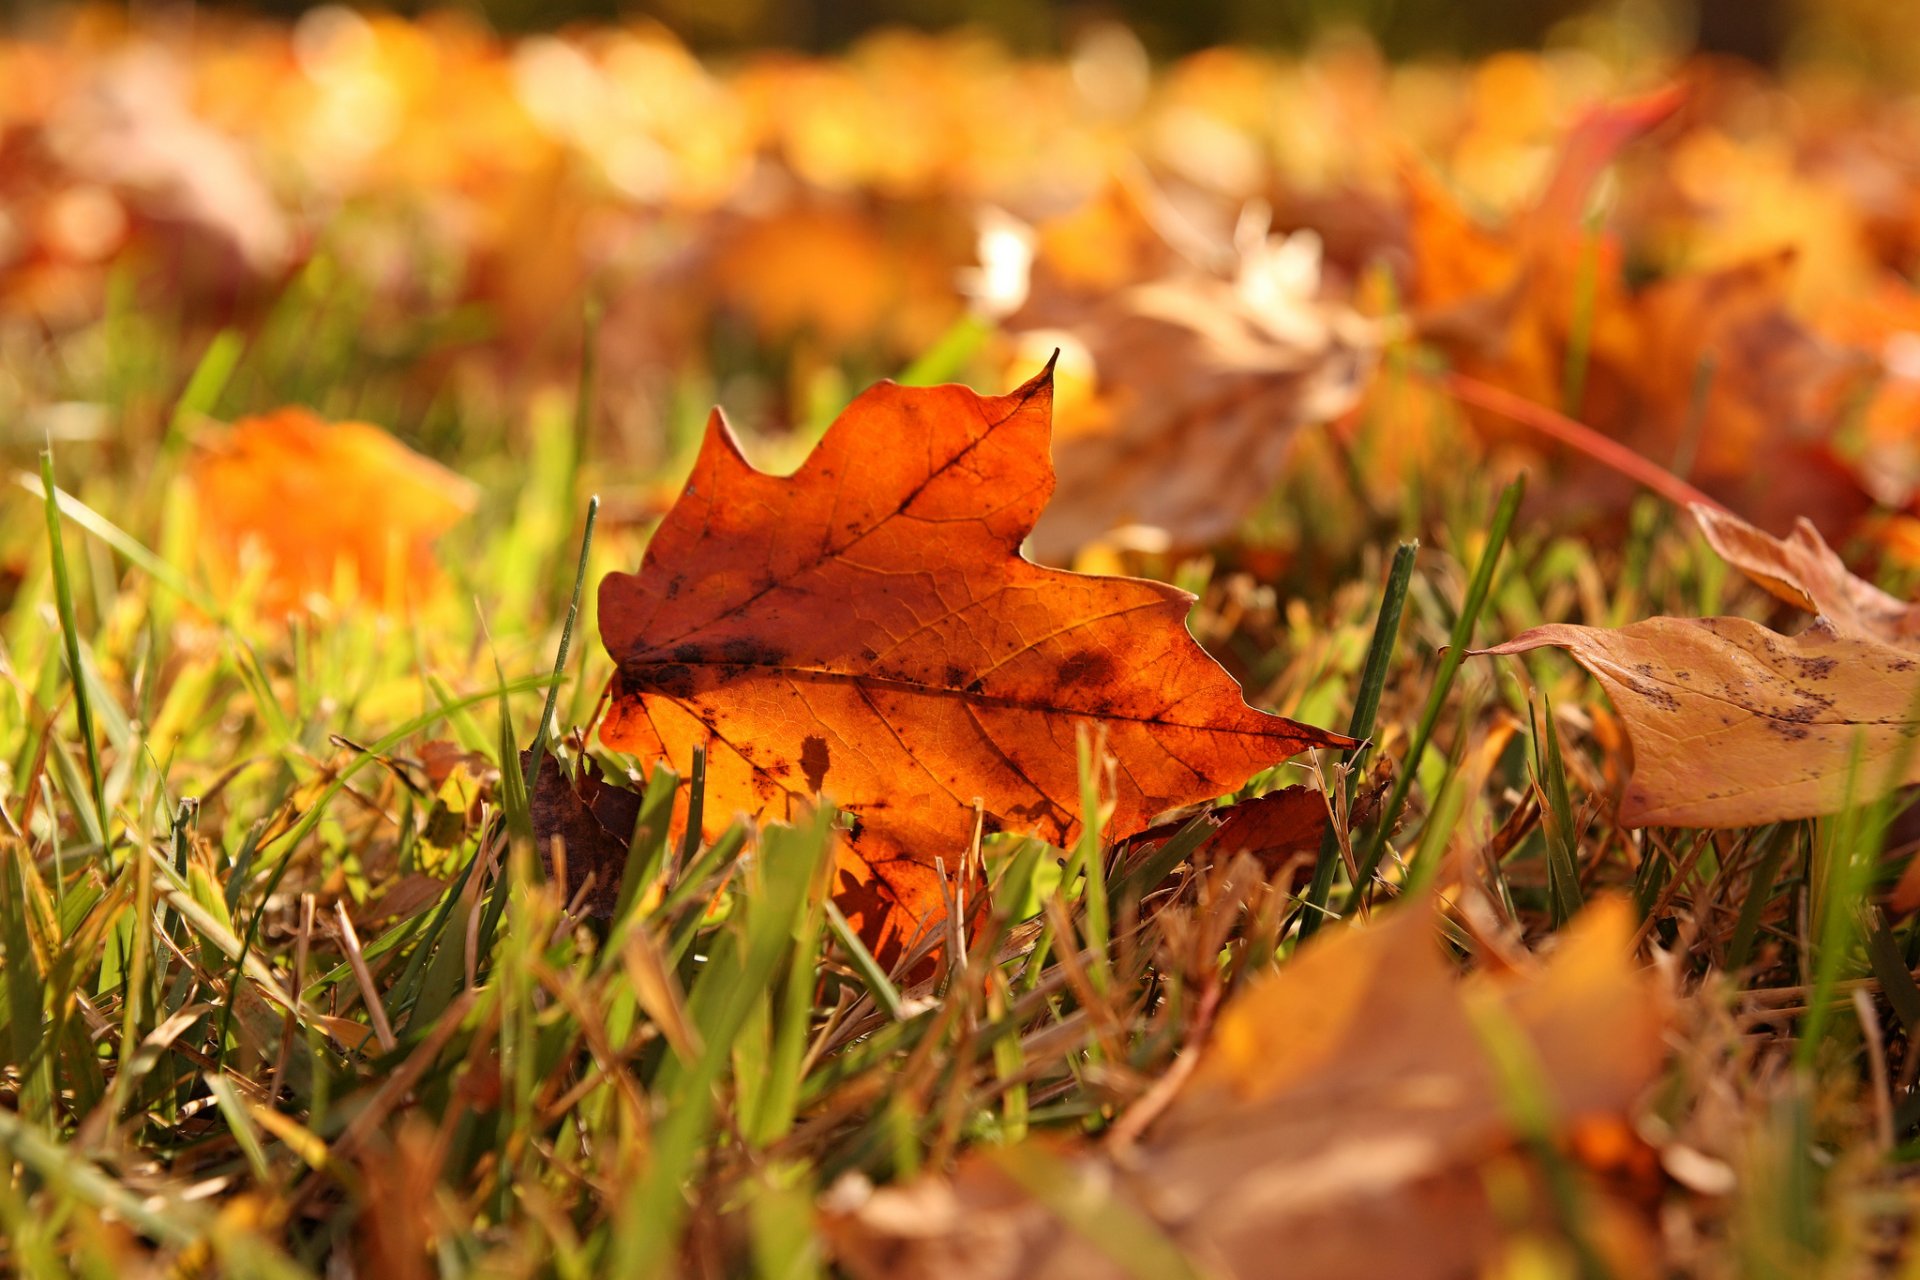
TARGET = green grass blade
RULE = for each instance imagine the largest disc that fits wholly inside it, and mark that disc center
(1373, 680)
(70, 636)
(1478, 589)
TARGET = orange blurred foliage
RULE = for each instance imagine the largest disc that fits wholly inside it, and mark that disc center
(336, 511)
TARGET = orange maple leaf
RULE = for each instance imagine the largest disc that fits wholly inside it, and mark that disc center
(313, 499)
(867, 629)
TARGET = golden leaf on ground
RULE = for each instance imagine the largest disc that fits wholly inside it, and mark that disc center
(325, 503)
(1342, 1121)
(867, 630)
(1734, 725)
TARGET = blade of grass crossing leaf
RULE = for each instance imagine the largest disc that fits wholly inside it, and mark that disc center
(1478, 588)
(1087, 860)
(1158, 865)
(705, 873)
(70, 636)
(1373, 680)
(516, 807)
(792, 1018)
(696, 805)
(647, 851)
(878, 984)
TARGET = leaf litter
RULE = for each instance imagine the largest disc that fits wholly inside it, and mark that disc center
(372, 1027)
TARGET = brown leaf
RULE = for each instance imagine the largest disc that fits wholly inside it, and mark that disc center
(592, 819)
(1201, 393)
(1207, 356)
(1273, 828)
(1338, 1124)
(866, 629)
(1804, 571)
(440, 759)
(1734, 725)
(1277, 828)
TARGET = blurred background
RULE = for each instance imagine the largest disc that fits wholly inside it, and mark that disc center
(444, 220)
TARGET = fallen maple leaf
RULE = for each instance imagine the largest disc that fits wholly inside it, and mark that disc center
(1341, 1122)
(1734, 725)
(312, 497)
(866, 629)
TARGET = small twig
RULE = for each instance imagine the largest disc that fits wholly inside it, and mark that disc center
(1876, 1068)
(1577, 436)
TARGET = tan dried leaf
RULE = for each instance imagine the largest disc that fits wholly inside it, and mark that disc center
(1339, 1125)
(1806, 573)
(1734, 725)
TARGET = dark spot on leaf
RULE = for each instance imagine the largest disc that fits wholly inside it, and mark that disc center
(815, 761)
(674, 679)
(747, 652)
(1655, 695)
(1088, 667)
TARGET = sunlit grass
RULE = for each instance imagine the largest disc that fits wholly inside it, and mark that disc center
(271, 995)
